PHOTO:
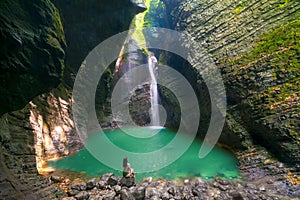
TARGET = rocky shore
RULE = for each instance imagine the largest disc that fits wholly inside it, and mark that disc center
(110, 187)
(262, 178)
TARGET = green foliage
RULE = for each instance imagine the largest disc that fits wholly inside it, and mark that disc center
(57, 24)
(282, 45)
(240, 7)
(284, 4)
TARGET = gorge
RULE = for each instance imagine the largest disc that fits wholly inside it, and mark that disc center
(255, 45)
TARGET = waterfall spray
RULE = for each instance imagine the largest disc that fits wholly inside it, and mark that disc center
(153, 91)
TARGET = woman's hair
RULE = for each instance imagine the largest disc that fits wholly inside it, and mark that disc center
(125, 161)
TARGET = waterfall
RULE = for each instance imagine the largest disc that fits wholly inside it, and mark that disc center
(154, 115)
(133, 55)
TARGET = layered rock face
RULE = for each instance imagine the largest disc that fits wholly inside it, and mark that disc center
(255, 44)
(32, 51)
(32, 61)
(87, 24)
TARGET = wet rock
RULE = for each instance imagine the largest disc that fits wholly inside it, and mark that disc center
(165, 196)
(223, 187)
(236, 196)
(128, 182)
(262, 188)
(82, 195)
(112, 181)
(149, 179)
(110, 195)
(105, 177)
(171, 191)
(186, 181)
(251, 186)
(152, 192)
(56, 179)
(68, 198)
(139, 193)
(196, 192)
(126, 195)
(117, 189)
(90, 184)
(79, 186)
(223, 182)
(72, 192)
(101, 185)
(154, 184)
(155, 198)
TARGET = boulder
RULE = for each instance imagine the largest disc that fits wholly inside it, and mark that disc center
(139, 193)
(126, 195)
(128, 182)
(112, 181)
(84, 195)
(90, 184)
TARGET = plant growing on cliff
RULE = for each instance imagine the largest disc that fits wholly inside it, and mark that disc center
(240, 7)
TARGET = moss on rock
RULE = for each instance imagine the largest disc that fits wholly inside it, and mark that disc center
(269, 79)
(31, 52)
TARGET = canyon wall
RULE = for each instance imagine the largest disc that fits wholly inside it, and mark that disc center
(255, 44)
(32, 51)
(44, 44)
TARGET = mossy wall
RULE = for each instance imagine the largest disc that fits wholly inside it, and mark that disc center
(32, 51)
(255, 44)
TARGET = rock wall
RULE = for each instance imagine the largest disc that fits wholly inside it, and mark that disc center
(32, 62)
(32, 51)
(256, 46)
(34, 40)
(51, 120)
(87, 23)
(19, 175)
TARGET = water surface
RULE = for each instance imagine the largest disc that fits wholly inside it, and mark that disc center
(218, 162)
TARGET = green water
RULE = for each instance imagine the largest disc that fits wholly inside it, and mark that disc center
(217, 163)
